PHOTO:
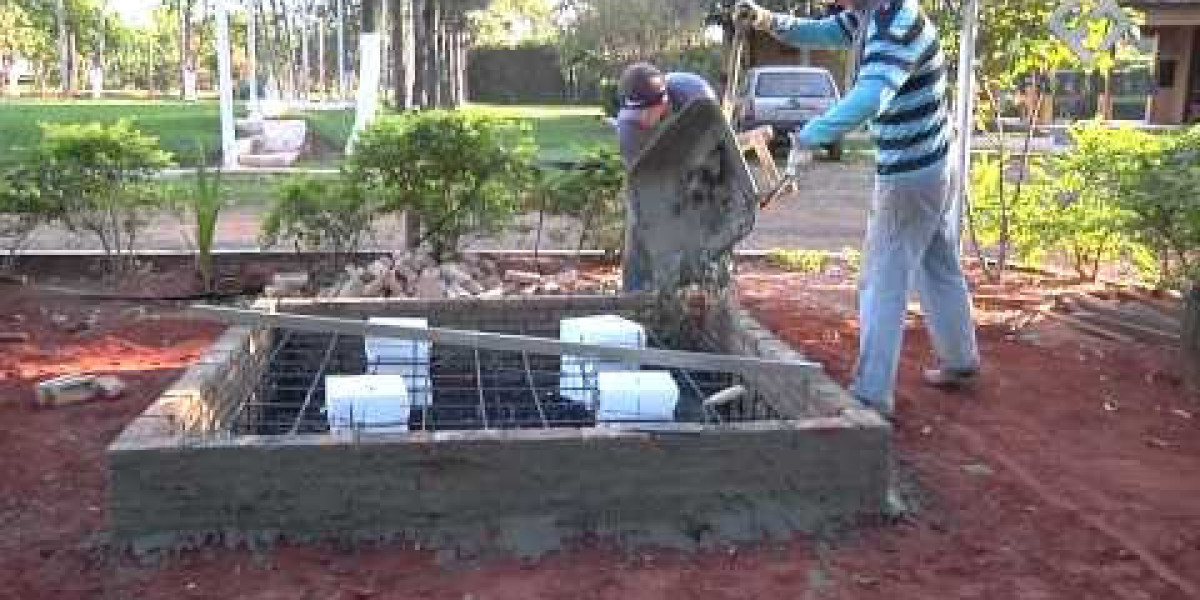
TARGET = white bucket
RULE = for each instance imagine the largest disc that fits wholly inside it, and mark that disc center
(375, 403)
(636, 396)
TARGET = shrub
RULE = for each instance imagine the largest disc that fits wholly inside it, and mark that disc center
(1005, 218)
(24, 207)
(811, 262)
(97, 175)
(1162, 208)
(201, 200)
(455, 172)
(1082, 206)
(1084, 216)
(592, 192)
(332, 215)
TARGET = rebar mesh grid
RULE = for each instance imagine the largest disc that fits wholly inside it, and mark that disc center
(467, 388)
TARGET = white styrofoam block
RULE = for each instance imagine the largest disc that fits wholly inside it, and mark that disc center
(612, 330)
(636, 396)
(577, 379)
(417, 349)
(407, 358)
(376, 403)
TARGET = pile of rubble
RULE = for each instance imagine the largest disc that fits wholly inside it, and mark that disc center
(419, 275)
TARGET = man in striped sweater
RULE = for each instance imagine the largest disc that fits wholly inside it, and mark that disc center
(912, 232)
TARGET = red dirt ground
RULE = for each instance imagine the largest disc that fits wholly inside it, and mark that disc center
(1073, 471)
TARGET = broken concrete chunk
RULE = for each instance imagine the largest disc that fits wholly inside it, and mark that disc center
(430, 285)
(67, 390)
(522, 277)
(353, 287)
(293, 281)
(455, 273)
(374, 289)
(472, 286)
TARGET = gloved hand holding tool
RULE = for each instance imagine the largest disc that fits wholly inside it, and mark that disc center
(752, 16)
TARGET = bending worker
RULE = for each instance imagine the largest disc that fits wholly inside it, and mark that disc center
(912, 231)
(648, 96)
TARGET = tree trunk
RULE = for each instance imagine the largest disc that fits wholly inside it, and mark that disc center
(400, 90)
(72, 64)
(187, 64)
(462, 68)
(322, 81)
(97, 71)
(305, 62)
(341, 49)
(433, 63)
(420, 52)
(1191, 339)
(64, 48)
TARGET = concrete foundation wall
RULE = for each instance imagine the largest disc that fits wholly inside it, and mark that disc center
(203, 400)
(541, 488)
(525, 491)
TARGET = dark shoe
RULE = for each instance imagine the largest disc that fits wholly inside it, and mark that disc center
(951, 378)
(888, 414)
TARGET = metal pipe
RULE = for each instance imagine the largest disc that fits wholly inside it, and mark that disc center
(965, 111)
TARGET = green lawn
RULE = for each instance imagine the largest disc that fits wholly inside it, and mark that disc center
(180, 126)
(560, 132)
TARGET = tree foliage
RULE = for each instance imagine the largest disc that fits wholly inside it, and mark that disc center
(320, 215)
(592, 192)
(458, 172)
(1118, 195)
(97, 175)
(512, 22)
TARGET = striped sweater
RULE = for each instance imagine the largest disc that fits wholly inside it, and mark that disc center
(900, 89)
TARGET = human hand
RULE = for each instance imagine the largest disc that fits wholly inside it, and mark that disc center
(749, 14)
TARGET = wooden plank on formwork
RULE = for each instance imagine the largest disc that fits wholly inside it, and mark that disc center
(1089, 327)
(1128, 312)
(1132, 329)
(678, 359)
(1170, 307)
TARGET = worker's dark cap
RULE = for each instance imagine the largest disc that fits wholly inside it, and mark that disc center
(642, 86)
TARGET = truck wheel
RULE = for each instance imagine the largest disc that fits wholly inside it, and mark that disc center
(835, 151)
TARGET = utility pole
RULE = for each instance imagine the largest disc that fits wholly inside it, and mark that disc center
(965, 110)
(229, 156)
